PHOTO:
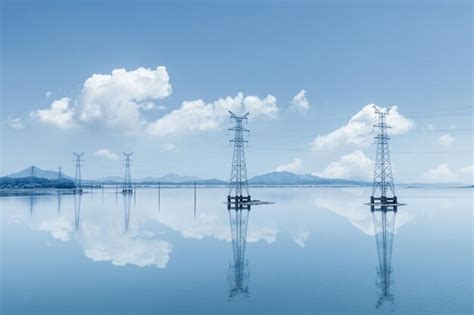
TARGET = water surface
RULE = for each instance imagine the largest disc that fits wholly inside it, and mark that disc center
(315, 251)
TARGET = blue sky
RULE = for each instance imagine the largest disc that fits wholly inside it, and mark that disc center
(344, 55)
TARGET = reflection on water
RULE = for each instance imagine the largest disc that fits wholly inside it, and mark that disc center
(59, 202)
(238, 269)
(384, 229)
(202, 258)
(126, 210)
(77, 211)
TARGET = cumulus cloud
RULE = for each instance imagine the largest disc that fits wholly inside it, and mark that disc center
(15, 122)
(301, 238)
(351, 166)
(196, 115)
(446, 139)
(106, 153)
(115, 100)
(300, 102)
(120, 99)
(123, 250)
(358, 132)
(357, 214)
(467, 173)
(60, 114)
(441, 173)
(168, 147)
(293, 167)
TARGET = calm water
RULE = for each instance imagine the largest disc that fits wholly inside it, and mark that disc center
(315, 251)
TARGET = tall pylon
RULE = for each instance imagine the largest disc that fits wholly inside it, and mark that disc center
(78, 177)
(384, 229)
(239, 274)
(383, 177)
(238, 186)
(127, 179)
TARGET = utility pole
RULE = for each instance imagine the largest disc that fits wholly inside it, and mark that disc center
(238, 186)
(78, 177)
(383, 177)
(127, 180)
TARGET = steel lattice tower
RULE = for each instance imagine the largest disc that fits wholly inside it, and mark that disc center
(238, 176)
(78, 177)
(127, 180)
(383, 177)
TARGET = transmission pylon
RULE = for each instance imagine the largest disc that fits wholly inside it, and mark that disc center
(78, 177)
(239, 274)
(383, 177)
(33, 177)
(384, 228)
(127, 179)
(238, 186)
(60, 173)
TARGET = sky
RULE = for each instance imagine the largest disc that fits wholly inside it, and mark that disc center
(158, 78)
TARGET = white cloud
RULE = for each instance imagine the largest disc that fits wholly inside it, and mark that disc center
(446, 139)
(358, 132)
(351, 166)
(48, 94)
(441, 173)
(293, 167)
(353, 209)
(428, 128)
(168, 147)
(444, 174)
(301, 238)
(467, 173)
(106, 153)
(114, 100)
(60, 114)
(196, 115)
(119, 101)
(15, 122)
(300, 102)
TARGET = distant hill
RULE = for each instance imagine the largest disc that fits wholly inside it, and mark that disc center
(287, 178)
(40, 173)
(34, 182)
(272, 178)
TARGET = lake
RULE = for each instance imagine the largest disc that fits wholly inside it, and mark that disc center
(314, 251)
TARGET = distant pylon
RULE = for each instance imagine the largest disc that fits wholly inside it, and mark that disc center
(238, 187)
(78, 178)
(127, 180)
(32, 176)
(383, 177)
(60, 174)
